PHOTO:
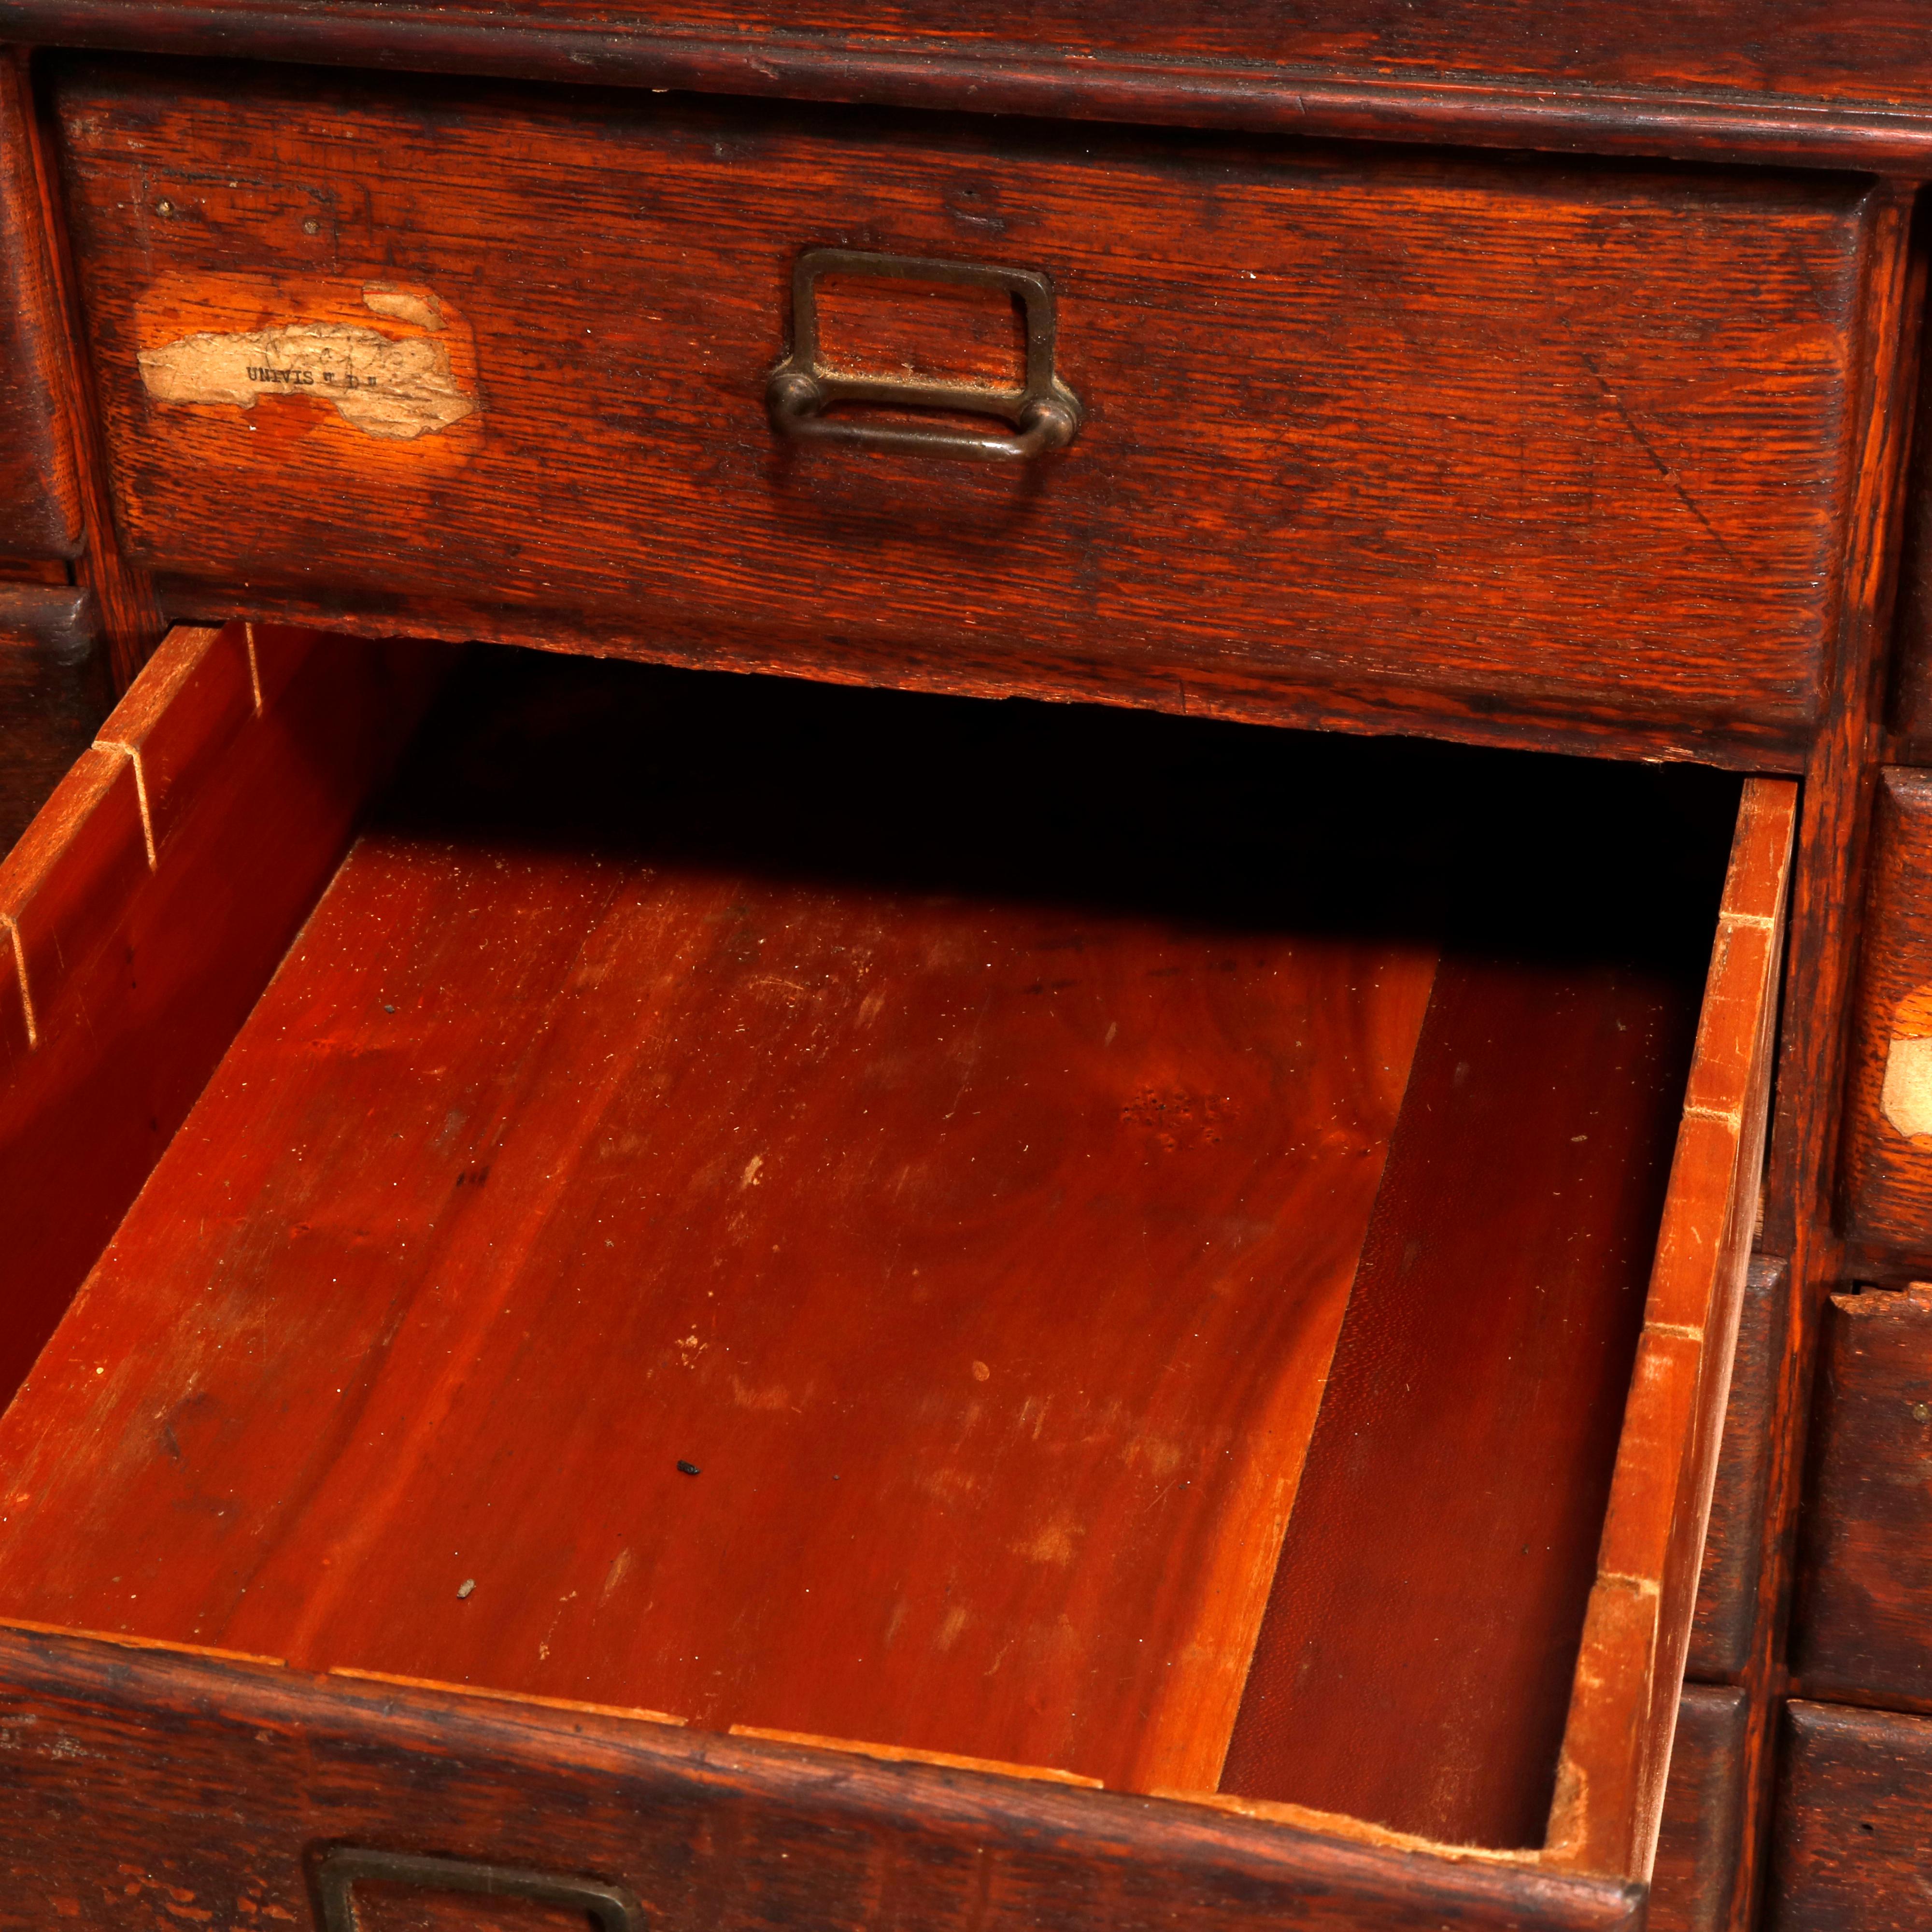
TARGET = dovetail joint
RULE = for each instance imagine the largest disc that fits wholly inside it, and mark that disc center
(132, 755)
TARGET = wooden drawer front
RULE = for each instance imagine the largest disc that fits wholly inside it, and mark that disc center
(53, 692)
(1727, 1586)
(1851, 1850)
(709, 1834)
(1911, 646)
(40, 507)
(1865, 1578)
(1516, 441)
(1888, 1104)
(1696, 1872)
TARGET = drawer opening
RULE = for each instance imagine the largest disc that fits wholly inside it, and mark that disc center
(1081, 1240)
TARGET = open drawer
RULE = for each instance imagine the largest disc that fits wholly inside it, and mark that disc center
(823, 1306)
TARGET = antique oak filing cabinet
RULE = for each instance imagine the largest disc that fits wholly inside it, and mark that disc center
(967, 968)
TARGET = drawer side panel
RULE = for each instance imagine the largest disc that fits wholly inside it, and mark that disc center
(1623, 1711)
(136, 958)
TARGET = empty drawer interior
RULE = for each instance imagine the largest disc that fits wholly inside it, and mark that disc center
(1103, 1243)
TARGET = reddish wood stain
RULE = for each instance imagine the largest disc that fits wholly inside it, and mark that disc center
(977, 1212)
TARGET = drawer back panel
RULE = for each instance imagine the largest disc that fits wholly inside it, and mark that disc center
(1506, 439)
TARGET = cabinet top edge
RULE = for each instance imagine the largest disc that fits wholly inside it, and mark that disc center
(1848, 99)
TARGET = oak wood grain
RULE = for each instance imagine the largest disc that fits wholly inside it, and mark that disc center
(1841, 770)
(1801, 1211)
(1437, 428)
(130, 614)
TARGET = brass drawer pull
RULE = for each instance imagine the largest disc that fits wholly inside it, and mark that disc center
(1045, 411)
(340, 1870)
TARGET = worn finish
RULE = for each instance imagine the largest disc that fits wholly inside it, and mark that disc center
(135, 945)
(53, 692)
(1431, 436)
(1729, 1587)
(1865, 1576)
(1790, 80)
(1888, 1160)
(709, 1832)
(1693, 1886)
(1853, 1850)
(40, 502)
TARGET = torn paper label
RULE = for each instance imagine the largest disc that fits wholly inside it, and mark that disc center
(1906, 1099)
(397, 390)
(403, 304)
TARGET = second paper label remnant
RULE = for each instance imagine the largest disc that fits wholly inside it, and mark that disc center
(1906, 1099)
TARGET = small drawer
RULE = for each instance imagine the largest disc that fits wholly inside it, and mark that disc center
(40, 504)
(1852, 1844)
(1859, 1626)
(1695, 1879)
(1512, 446)
(54, 693)
(1726, 1627)
(1191, 1312)
(1887, 1133)
(1912, 631)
